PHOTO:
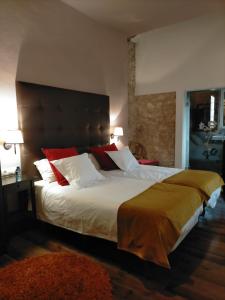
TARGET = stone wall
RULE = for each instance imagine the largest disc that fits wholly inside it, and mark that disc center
(152, 124)
(131, 77)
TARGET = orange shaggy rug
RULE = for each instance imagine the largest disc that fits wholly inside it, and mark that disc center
(55, 276)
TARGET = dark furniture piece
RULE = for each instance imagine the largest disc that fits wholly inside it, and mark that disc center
(52, 117)
(16, 195)
(138, 150)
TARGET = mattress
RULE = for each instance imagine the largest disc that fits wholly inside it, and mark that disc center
(214, 198)
(93, 211)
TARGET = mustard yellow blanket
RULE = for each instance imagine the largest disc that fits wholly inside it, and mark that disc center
(150, 223)
(205, 181)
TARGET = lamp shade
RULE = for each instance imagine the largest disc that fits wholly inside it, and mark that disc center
(118, 131)
(14, 137)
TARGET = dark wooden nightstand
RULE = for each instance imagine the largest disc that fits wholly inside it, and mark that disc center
(16, 196)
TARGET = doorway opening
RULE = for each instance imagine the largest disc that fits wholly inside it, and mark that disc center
(207, 129)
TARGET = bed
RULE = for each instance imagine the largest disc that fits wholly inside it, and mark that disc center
(95, 211)
(55, 117)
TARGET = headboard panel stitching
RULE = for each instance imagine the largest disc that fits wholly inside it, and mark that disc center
(55, 117)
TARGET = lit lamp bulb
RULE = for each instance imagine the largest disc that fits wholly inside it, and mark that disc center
(117, 132)
(13, 137)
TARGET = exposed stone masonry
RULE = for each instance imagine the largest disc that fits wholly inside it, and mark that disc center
(152, 124)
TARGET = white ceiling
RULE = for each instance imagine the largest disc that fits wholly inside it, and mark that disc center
(136, 16)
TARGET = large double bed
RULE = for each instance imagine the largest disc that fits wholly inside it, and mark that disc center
(147, 212)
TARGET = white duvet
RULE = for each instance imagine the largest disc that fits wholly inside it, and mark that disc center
(152, 173)
(92, 210)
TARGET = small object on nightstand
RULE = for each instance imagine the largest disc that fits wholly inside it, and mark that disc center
(148, 162)
(18, 173)
(16, 194)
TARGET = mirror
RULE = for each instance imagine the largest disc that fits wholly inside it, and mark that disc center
(207, 129)
(205, 107)
(223, 105)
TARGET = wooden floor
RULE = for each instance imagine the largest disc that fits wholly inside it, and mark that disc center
(198, 265)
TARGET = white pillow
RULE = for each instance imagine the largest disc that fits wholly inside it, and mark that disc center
(45, 170)
(78, 170)
(124, 159)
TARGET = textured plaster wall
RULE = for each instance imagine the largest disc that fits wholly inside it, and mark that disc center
(48, 42)
(152, 123)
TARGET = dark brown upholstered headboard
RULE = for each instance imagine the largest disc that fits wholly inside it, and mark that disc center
(55, 117)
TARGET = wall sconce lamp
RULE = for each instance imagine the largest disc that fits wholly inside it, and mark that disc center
(117, 132)
(12, 137)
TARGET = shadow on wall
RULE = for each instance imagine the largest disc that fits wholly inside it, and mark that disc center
(62, 49)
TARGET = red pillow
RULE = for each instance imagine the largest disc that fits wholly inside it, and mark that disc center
(103, 158)
(57, 153)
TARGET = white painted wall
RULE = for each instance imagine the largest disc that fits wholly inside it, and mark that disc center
(48, 42)
(185, 56)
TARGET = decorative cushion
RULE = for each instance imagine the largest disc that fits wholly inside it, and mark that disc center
(102, 157)
(78, 170)
(61, 275)
(149, 162)
(45, 170)
(57, 153)
(124, 159)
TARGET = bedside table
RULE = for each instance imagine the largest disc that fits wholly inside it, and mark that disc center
(16, 196)
(148, 162)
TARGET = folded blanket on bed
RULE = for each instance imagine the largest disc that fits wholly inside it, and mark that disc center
(150, 223)
(205, 181)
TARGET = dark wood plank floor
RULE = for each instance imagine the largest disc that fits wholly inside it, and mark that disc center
(198, 265)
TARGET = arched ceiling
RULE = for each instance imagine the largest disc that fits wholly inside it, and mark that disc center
(136, 16)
